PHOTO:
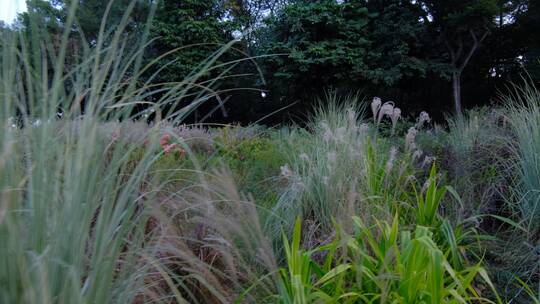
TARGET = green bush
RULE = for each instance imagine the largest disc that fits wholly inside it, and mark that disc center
(255, 163)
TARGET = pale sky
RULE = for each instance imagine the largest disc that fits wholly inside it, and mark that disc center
(10, 8)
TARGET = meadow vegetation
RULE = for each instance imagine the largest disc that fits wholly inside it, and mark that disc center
(359, 205)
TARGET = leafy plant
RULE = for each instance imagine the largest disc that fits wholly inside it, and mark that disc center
(379, 264)
(428, 201)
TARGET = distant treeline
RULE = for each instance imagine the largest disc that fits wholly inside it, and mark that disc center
(441, 56)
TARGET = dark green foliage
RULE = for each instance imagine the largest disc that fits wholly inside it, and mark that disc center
(321, 43)
(396, 40)
(394, 49)
(199, 27)
(89, 16)
(348, 45)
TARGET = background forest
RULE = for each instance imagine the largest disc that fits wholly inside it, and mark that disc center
(440, 56)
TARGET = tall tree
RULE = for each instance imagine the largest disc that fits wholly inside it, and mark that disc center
(461, 26)
(320, 43)
(396, 36)
(345, 45)
(528, 23)
(191, 32)
(89, 15)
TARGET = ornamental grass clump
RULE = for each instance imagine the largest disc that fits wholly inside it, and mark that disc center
(523, 107)
(340, 167)
(476, 159)
(322, 169)
(524, 116)
(77, 213)
(380, 110)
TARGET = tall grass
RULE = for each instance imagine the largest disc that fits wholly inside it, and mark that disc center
(476, 158)
(524, 116)
(523, 108)
(337, 168)
(79, 219)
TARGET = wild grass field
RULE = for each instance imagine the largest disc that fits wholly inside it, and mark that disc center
(361, 204)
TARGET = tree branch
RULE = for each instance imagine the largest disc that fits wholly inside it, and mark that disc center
(450, 50)
(474, 47)
(460, 48)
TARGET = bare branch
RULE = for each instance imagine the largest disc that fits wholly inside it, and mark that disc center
(450, 50)
(474, 47)
(460, 48)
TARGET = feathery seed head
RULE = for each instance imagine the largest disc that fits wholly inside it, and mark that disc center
(417, 154)
(386, 109)
(410, 137)
(391, 160)
(375, 106)
(396, 115)
(423, 118)
(428, 160)
(340, 134)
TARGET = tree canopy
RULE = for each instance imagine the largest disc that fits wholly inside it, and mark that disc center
(443, 54)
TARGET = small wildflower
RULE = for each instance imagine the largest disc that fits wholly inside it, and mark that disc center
(181, 152)
(114, 136)
(12, 123)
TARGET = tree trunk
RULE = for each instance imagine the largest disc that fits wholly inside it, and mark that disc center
(456, 91)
